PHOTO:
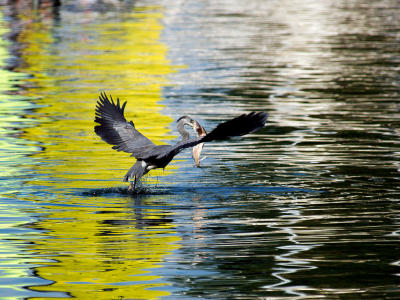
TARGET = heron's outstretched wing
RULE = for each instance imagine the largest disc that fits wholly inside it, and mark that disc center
(238, 126)
(115, 130)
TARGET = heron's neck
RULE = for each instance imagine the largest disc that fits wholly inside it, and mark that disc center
(185, 135)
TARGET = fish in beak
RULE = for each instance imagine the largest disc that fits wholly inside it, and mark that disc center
(200, 132)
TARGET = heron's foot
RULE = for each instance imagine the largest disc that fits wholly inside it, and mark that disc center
(132, 185)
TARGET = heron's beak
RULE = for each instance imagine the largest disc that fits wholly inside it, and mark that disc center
(190, 123)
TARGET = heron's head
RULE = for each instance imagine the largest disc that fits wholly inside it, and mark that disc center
(185, 120)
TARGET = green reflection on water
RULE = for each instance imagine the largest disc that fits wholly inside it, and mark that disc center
(12, 107)
(94, 247)
(14, 264)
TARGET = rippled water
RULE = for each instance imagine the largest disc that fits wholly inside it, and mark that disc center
(305, 208)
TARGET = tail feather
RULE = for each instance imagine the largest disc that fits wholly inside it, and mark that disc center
(136, 171)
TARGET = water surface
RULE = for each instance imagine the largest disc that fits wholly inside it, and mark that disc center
(305, 208)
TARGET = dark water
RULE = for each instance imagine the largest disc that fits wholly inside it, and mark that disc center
(306, 208)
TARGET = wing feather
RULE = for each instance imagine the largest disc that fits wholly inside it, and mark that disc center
(238, 126)
(116, 131)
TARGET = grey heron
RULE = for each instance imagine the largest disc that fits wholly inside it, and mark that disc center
(115, 130)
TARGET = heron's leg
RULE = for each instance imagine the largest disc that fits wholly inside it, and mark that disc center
(134, 183)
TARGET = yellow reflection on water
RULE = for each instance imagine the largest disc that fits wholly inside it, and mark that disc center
(105, 249)
(100, 247)
(125, 59)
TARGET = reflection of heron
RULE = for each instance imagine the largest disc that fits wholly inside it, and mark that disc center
(115, 130)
